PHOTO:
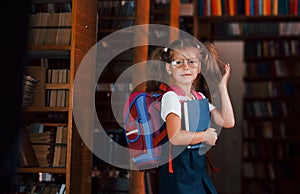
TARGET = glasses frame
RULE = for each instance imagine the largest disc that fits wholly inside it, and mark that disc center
(195, 64)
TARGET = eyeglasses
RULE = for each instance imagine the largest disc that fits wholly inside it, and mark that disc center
(193, 63)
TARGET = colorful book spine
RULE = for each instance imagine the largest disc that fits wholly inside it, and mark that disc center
(247, 7)
(201, 7)
(260, 7)
(275, 7)
(251, 7)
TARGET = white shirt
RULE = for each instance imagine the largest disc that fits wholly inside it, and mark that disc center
(170, 103)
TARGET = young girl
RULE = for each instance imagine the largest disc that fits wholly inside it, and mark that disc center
(185, 59)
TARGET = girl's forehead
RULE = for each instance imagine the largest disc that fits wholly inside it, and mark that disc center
(188, 52)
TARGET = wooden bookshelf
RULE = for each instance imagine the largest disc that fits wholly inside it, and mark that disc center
(270, 112)
(69, 38)
(270, 136)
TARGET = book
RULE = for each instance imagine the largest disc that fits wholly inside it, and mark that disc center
(196, 117)
(38, 73)
(27, 157)
(60, 147)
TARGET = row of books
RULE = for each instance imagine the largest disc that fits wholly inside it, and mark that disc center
(111, 87)
(44, 146)
(110, 179)
(50, 29)
(57, 98)
(39, 74)
(268, 130)
(116, 8)
(276, 69)
(269, 109)
(269, 150)
(253, 29)
(58, 76)
(264, 89)
(51, 7)
(42, 188)
(272, 48)
(116, 23)
(29, 87)
(116, 137)
(267, 170)
(248, 7)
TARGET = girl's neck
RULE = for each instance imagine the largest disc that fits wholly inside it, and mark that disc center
(186, 89)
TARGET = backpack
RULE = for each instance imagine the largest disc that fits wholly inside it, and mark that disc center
(145, 131)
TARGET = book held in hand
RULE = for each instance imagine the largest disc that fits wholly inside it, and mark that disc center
(196, 117)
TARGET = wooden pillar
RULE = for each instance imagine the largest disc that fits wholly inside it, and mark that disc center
(174, 18)
(142, 15)
(195, 18)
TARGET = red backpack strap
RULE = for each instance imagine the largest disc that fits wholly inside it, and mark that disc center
(170, 160)
(211, 165)
(197, 95)
(163, 87)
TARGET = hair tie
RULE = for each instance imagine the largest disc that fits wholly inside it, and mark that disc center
(166, 49)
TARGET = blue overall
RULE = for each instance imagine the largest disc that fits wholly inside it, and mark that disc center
(189, 176)
(189, 168)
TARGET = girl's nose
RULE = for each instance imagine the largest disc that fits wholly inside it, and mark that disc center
(185, 65)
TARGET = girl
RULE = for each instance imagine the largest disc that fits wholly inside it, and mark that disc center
(185, 59)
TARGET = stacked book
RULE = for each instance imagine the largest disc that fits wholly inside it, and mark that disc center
(29, 90)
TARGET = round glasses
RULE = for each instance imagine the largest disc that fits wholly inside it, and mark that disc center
(178, 63)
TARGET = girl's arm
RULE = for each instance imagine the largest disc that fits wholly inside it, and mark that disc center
(224, 117)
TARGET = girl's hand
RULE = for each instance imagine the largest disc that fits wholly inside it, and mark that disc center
(210, 136)
(225, 78)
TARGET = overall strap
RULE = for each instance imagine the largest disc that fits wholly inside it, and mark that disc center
(182, 95)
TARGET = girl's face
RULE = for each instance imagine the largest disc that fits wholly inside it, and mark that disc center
(184, 66)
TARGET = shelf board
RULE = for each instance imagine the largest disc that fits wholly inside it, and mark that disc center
(116, 17)
(52, 1)
(57, 86)
(46, 109)
(59, 170)
(271, 98)
(49, 52)
(271, 78)
(247, 19)
(270, 58)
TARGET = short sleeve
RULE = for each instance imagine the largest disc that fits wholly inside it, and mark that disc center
(211, 106)
(170, 104)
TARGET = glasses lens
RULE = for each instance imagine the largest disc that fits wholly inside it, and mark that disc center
(193, 62)
(178, 63)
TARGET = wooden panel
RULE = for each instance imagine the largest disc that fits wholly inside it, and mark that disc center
(84, 20)
(174, 18)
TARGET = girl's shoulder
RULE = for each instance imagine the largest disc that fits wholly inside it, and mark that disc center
(170, 94)
(201, 94)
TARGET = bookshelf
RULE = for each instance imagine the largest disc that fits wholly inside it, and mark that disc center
(113, 16)
(57, 41)
(165, 13)
(270, 34)
(270, 136)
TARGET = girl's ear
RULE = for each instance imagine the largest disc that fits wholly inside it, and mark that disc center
(199, 70)
(168, 68)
